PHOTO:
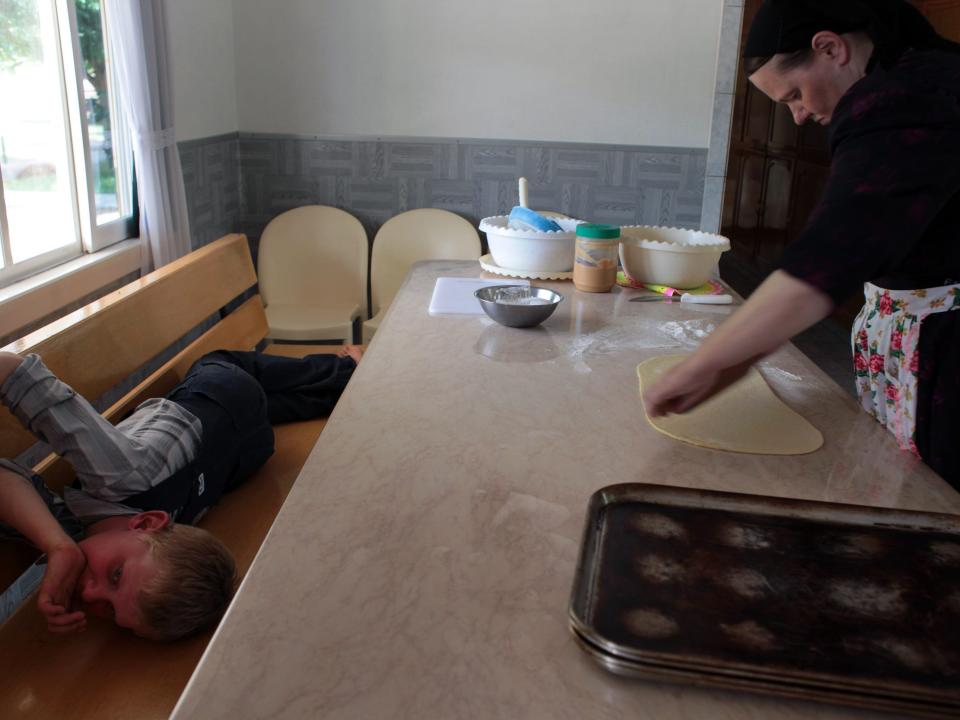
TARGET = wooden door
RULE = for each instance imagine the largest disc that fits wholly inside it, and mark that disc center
(944, 15)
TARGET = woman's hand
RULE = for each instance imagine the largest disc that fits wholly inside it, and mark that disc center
(687, 384)
(65, 563)
(780, 308)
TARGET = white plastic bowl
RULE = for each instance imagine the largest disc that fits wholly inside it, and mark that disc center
(670, 256)
(529, 249)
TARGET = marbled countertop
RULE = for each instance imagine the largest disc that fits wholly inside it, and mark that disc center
(422, 564)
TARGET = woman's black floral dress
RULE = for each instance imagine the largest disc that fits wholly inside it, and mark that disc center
(890, 217)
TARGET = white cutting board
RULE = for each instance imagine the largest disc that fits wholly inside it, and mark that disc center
(454, 295)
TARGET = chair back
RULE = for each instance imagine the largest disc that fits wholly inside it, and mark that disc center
(423, 234)
(312, 254)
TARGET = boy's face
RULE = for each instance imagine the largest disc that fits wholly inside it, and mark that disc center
(119, 563)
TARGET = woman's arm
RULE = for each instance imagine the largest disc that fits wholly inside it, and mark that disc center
(779, 309)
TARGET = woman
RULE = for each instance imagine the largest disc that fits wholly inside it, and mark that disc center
(888, 87)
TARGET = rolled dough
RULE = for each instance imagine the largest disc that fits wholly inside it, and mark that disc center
(746, 417)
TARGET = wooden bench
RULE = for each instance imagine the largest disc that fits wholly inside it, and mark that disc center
(105, 672)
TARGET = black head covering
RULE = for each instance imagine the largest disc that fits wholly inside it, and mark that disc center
(786, 26)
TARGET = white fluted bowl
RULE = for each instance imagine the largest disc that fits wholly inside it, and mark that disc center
(670, 256)
(530, 250)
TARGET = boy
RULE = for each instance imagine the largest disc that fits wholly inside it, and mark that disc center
(145, 481)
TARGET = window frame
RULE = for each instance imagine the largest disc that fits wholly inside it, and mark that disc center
(89, 236)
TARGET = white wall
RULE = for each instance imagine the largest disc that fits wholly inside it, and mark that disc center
(612, 71)
(201, 40)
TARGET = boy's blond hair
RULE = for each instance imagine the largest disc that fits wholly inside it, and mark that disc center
(194, 583)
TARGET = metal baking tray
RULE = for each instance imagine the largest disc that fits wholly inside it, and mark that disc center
(819, 600)
(796, 691)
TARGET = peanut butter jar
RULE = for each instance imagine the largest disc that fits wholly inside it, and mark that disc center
(595, 262)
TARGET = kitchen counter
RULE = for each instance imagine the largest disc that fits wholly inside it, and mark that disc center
(422, 564)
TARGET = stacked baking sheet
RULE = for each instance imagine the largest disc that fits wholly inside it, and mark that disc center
(853, 605)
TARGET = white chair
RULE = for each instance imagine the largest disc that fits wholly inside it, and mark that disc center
(312, 269)
(425, 234)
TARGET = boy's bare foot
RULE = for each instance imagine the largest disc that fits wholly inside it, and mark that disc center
(354, 351)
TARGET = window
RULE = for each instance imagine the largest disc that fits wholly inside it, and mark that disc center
(65, 155)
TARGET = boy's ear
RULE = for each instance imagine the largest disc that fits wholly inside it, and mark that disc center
(149, 521)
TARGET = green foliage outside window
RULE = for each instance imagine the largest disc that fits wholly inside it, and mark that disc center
(19, 32)
(20, 42)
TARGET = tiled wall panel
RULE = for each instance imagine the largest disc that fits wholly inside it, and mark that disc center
(211, 177)
(237, 183)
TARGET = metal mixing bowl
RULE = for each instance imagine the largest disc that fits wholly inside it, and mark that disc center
(518, 305)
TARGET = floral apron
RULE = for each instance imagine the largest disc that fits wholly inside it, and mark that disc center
(886, 340)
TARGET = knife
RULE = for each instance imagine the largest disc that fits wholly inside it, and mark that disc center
(688, 298)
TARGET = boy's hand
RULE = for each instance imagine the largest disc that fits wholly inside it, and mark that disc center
(65, 563)
(8, 363)
(22, 508)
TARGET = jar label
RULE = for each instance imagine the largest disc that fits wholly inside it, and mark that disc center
(597, 254)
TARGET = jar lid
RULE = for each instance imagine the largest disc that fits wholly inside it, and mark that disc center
(600, 232)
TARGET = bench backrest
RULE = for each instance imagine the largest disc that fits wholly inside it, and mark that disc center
(98, 347)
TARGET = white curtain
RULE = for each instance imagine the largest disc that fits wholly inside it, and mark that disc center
(137, 36)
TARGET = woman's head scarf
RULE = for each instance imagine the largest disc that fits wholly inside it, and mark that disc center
(787, 26)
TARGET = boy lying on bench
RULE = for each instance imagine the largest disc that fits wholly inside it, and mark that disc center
(143, 483)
